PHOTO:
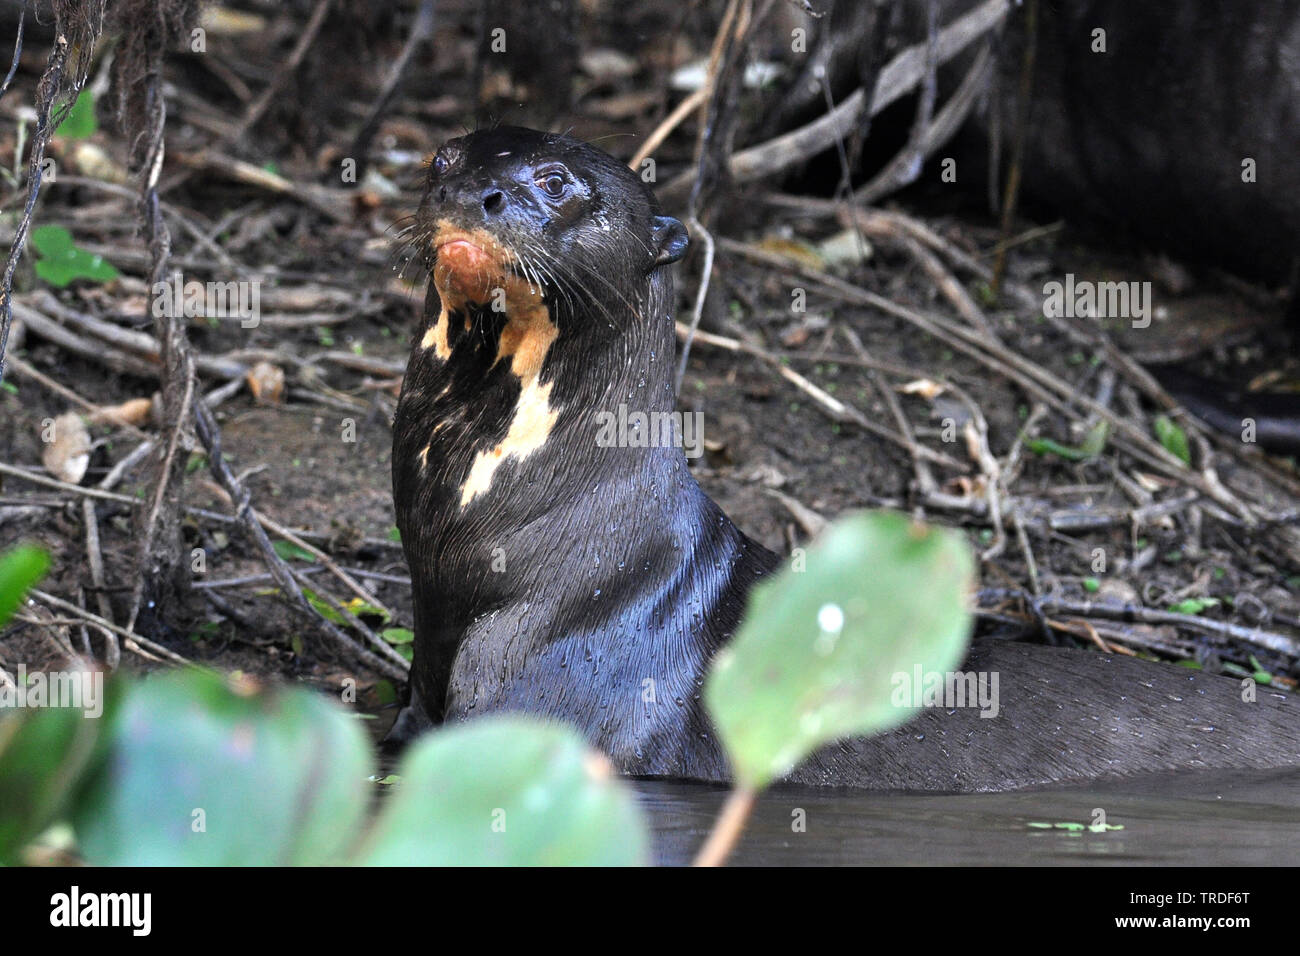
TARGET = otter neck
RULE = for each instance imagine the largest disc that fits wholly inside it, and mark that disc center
(527, 390)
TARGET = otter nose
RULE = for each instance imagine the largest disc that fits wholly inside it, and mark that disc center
(493, 201)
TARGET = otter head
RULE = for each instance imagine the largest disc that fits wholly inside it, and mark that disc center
(507, 210)
(545, 255)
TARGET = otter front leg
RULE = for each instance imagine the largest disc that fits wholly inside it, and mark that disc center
(412, 720)
(430, 676)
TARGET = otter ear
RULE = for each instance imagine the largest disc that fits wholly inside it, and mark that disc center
(670, 239)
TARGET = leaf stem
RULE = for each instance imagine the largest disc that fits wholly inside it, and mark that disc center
(726, 831)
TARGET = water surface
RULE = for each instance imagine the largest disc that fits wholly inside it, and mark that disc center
(1202, 818)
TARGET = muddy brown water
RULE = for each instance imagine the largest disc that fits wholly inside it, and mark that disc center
(1206, 819)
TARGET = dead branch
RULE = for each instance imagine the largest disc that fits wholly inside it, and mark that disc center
(898, 77)
(77, 27)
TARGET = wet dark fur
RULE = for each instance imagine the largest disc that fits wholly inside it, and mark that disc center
(618, 569)
(1227, 407)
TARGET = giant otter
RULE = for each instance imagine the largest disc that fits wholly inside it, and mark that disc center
(554, 572)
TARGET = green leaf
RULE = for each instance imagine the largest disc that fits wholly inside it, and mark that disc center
(1091, 585)
(52, 240)
(80, 122)
(62, 261)
(1094, 443)
(1193, 605)
(20, 569)
(1261, 674)
(384, 692)
(44, 753)
(1073, 827)
(323, 608)
(204, 631)
(818, 651)
(364, 609)
(202, 773)
(1173, 438)
(502, 791)
(288, 551)
(398, 635)
(394, 534)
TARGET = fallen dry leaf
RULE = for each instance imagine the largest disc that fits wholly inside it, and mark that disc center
(135, 411)
(266, 382)
(67, 448)
(926, 388)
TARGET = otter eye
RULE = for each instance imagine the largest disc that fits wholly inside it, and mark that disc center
(440, 163)
(552, 184)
